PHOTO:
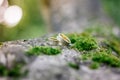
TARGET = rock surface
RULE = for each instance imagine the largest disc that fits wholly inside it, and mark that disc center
(54, 67)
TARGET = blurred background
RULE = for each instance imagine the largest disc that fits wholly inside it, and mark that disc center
(33, 25)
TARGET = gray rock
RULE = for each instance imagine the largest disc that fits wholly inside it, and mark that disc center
(55, 67)
(50, 68)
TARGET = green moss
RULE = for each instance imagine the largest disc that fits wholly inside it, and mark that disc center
(73, 65)
(106, 33)
(74, 36)
(82, 41)
(114, 45)
(14, 72)
(85, 43)
(102, 57)
(94, 65)
(43, 50)
(103, 54)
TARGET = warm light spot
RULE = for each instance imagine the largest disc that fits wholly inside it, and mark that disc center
(1, 1)
(12, 16)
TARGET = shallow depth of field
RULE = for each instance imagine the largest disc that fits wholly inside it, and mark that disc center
(32, 23)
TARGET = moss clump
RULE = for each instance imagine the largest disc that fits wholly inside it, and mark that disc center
(102, 57)
(114, 45)
(82, 41)
(14, 72)
(99, 53)
(94, 65)
(74, 36)
(73, 65)
(85, 43)
(43, 50)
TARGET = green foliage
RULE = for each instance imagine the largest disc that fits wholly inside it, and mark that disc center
(98, 30)
(43, 50)
(85, 43)
(31, 25)
(111, 7)
(14, 72)
(1, 43)
(102, 56)
(73, 65)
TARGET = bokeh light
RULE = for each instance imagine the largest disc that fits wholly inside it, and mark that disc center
(1, 1)
(13, 15)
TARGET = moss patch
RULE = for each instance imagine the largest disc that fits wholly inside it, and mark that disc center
(74, 36)
(97, 44)
(82, 41)
(14, 72)
(114, 44)
(102, 57)
(91, 44)
(73, 65)
(94, 65)
(85, 43)
(43, 50)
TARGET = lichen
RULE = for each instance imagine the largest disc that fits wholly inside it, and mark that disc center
(38, 50)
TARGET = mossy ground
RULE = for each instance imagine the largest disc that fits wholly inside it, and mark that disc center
(37, 50)
(99, 52)
(102, 57)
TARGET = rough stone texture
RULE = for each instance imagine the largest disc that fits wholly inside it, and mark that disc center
(55, 67)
